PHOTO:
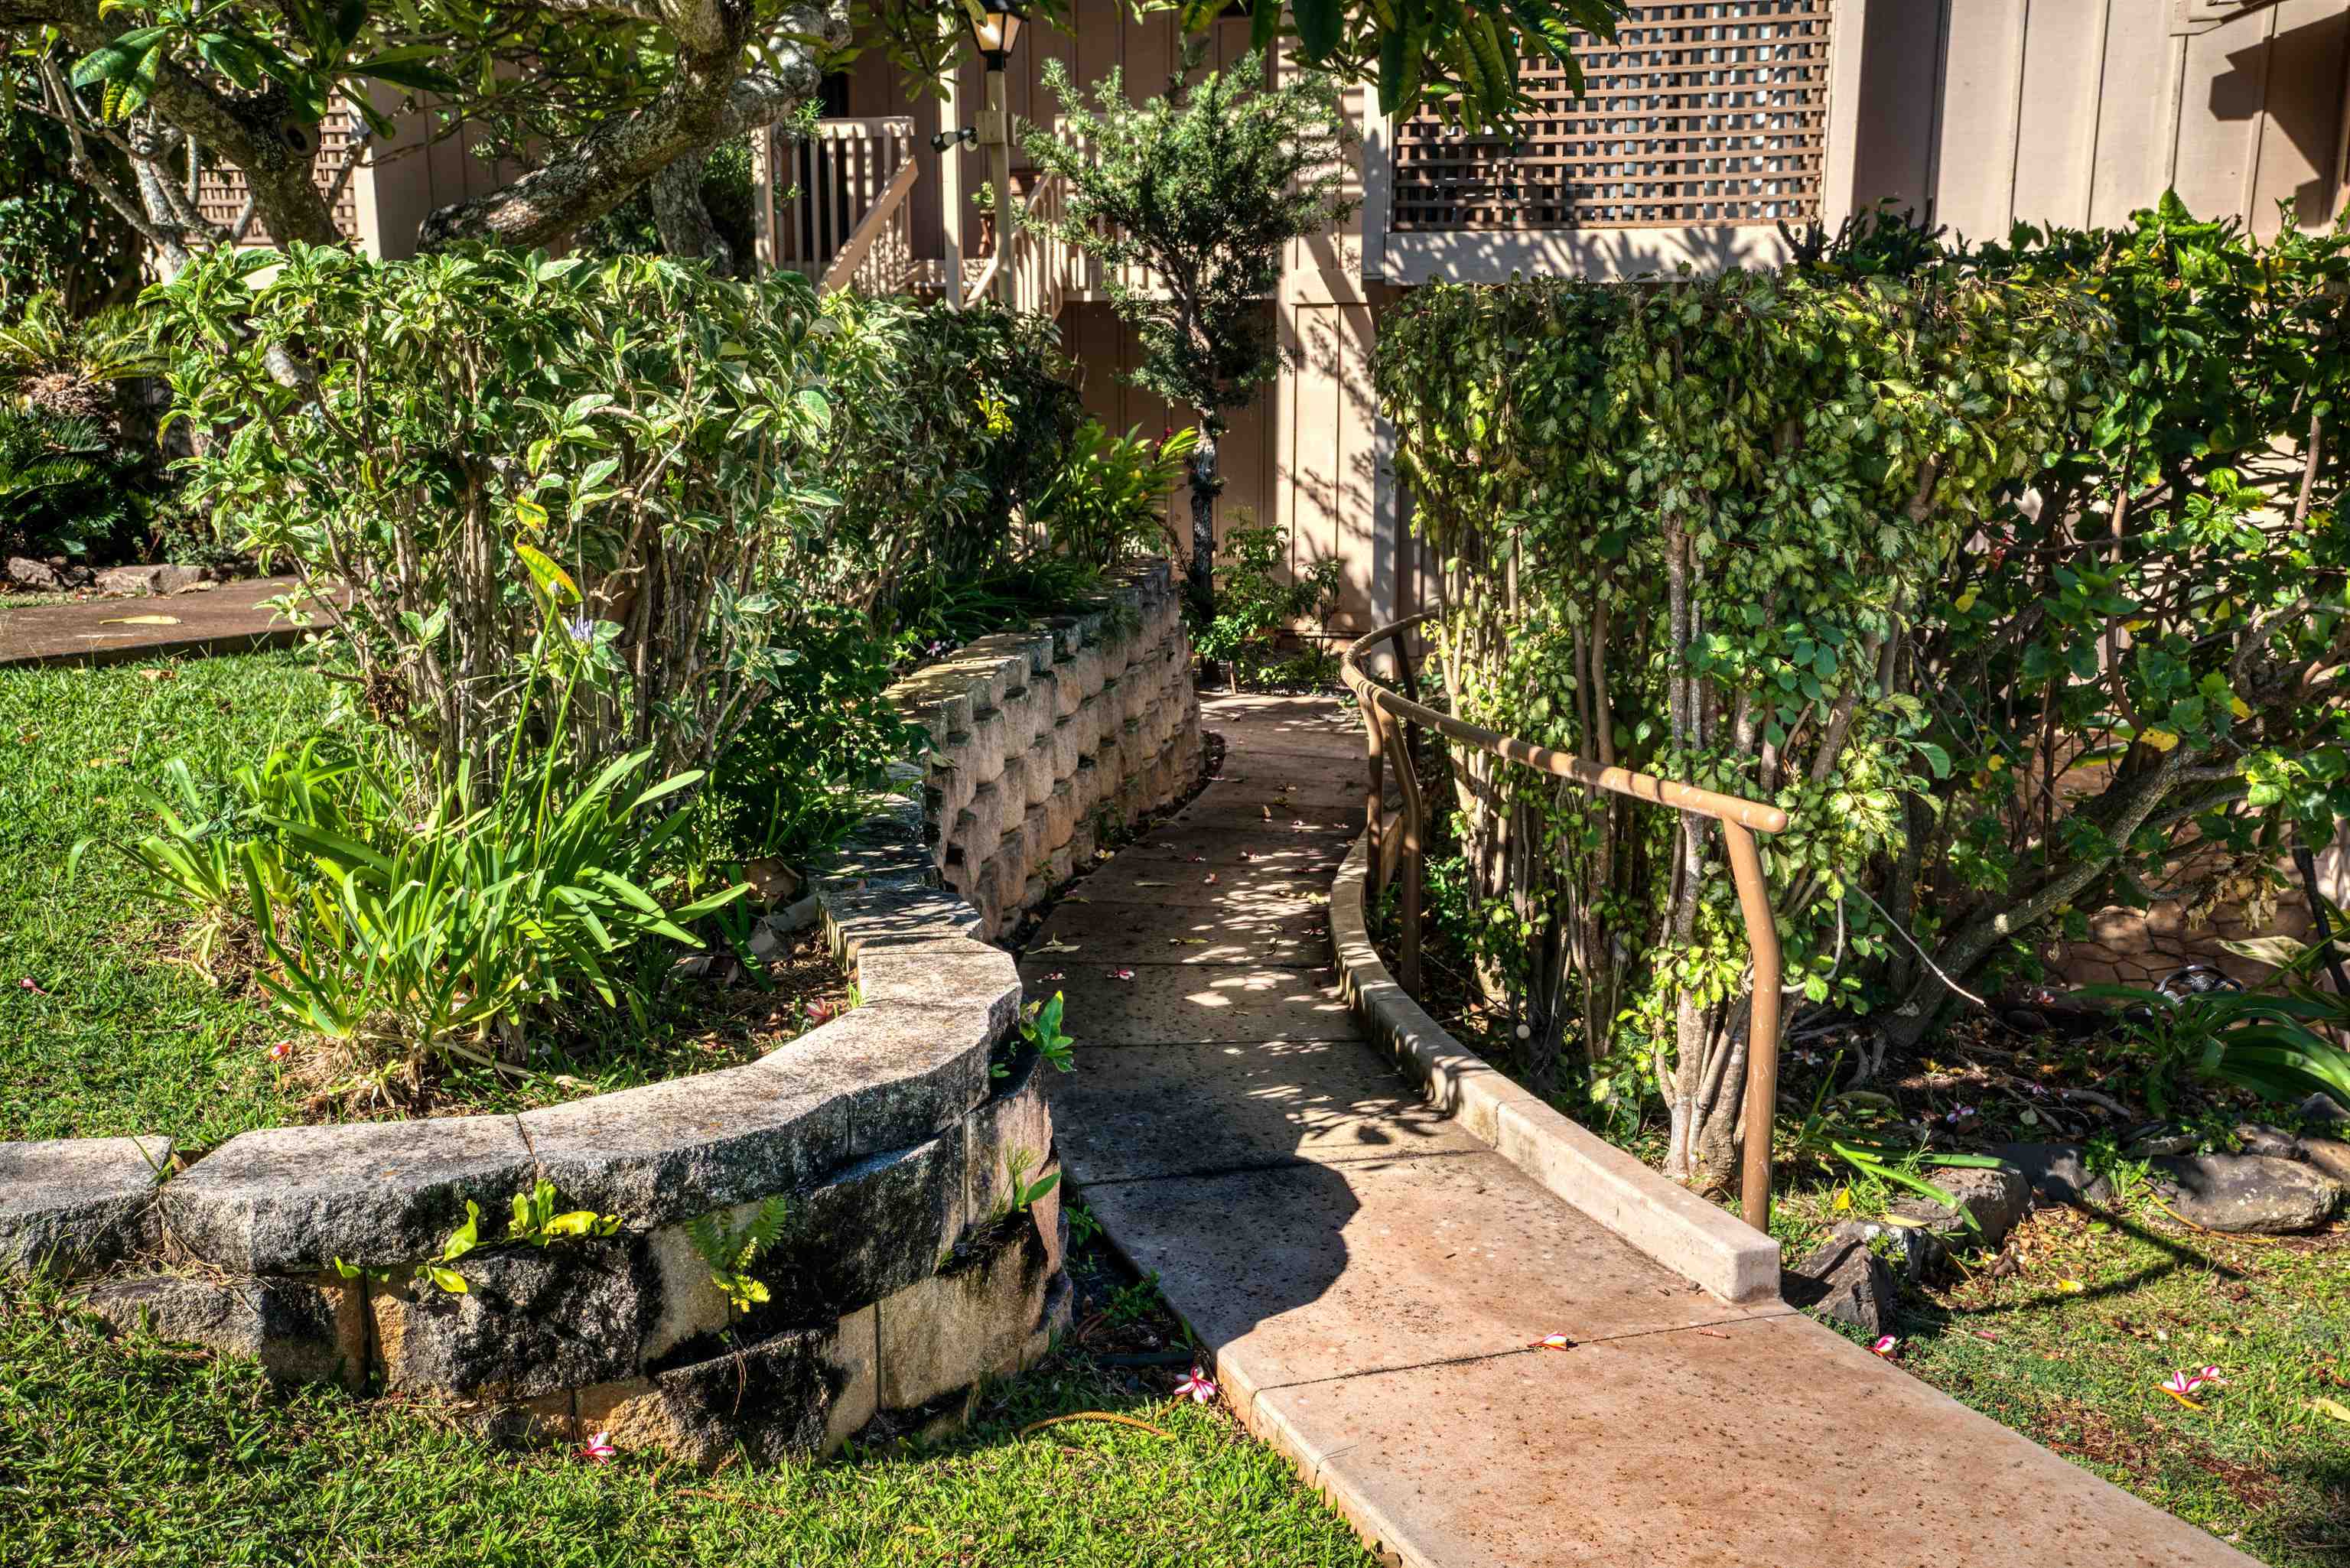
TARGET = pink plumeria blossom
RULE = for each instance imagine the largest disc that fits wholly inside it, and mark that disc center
(1121, 975)
(1887, 1346)
(1208, 877)
(1551, 1341)
(821, 1011)
(281, 1051)
(26, 985)
(598, 1449)
(2186, 1382)
(1198, 1387)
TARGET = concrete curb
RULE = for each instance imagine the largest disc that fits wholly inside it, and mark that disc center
(1705, 1245)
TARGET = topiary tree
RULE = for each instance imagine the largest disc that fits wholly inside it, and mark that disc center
(1200, 188)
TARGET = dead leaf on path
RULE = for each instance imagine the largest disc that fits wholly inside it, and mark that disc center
(1187, 941)
(142, 620)
(1154, 884)
(1055, 945)
(1268, 812)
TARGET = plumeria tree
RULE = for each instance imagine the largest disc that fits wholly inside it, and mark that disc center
(1200, 188)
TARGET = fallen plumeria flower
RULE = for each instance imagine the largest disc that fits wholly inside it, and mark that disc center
(1208, 877)
(1121, 975)
(2188, 1382)
(283, 1049)
(27, 984)
(598, 1449)
(1198, 860)
(1887, 1346)
(822, 1012)
(2179, 1384)
(1552, 1342)
(1199, 1388)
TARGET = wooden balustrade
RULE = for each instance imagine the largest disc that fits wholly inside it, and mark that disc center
(838, 210)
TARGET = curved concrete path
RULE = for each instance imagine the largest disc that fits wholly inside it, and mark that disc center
(1369, 1277)
(224, 620)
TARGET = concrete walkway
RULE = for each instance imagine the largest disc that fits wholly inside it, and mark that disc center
(94, 631)
(1369, 1277)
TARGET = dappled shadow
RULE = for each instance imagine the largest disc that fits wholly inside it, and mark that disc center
(2258, 83)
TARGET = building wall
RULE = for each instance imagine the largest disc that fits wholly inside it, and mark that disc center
(2079, 111)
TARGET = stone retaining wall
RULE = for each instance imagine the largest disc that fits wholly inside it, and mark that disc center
(903, 1276)
(1042, 740)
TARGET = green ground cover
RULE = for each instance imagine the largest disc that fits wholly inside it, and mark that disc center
(133, 1451)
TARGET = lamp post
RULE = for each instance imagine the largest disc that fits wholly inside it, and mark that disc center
(995, 27)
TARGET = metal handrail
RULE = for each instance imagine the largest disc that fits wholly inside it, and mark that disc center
(1388, 718)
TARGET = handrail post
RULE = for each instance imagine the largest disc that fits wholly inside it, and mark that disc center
(1762, 1024)
(1374, 802)
(1740, 819)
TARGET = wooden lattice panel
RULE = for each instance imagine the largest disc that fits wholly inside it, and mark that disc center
(1703, 113)
(220, 189)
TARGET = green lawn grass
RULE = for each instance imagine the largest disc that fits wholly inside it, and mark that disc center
(2068, 1334)
(119, 1038)
(127, 1451)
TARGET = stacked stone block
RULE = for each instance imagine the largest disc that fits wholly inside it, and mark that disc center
(1040, 740)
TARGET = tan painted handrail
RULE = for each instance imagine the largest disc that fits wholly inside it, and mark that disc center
(869, 228)
(1387, 715)
(1039, 263)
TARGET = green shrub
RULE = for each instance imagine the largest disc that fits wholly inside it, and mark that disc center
(64, 489)
(946, 424)
(944, 613)
(1257, 599)
(637, 434)
(1108, 502)
(1685, 529)
(2157, 620)
(797, 771)
(410, 927)
(56, 234)
(78, 474)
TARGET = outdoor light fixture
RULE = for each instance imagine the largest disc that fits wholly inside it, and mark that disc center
(943, 140)
(995, 27)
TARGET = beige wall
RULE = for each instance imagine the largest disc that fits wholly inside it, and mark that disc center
(2079, 111)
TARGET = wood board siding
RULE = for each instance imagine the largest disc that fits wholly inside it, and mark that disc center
(2081, 111)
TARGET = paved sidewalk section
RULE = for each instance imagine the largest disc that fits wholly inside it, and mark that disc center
(224, 620)
(1370, 1279)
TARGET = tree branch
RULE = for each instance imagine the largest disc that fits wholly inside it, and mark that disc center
(709, 99)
